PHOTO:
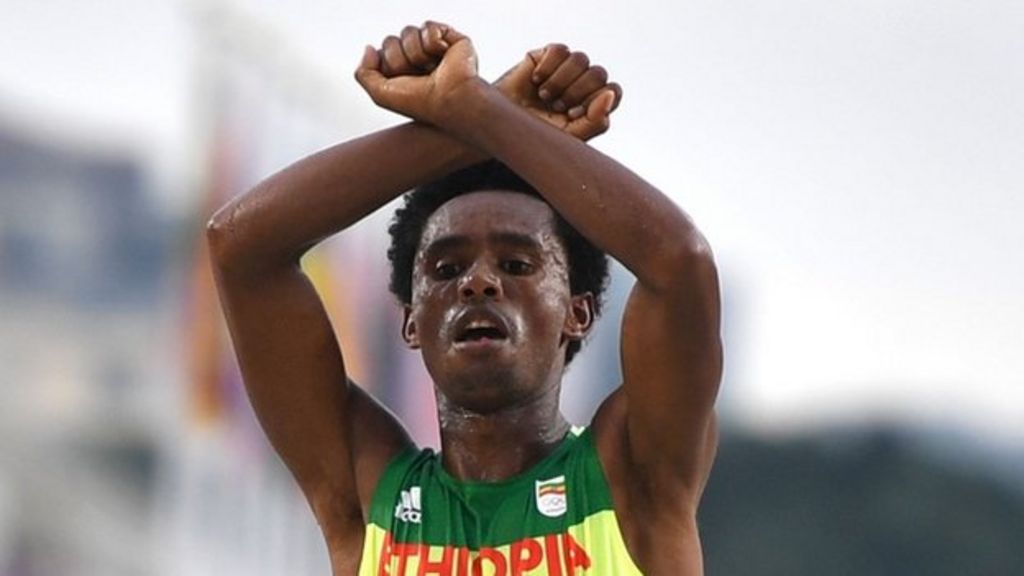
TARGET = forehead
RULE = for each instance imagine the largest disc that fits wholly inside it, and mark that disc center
(479, 214)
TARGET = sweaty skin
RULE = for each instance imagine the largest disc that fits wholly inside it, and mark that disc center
(488, 254)
(497, 402)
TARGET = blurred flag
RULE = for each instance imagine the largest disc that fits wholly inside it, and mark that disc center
(235, 509)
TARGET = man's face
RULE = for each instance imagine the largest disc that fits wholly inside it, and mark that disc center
(491, 306)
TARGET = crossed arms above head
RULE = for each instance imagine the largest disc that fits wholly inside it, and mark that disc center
(334, 437)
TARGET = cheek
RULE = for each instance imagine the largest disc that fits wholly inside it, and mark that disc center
(420, 291)
(431, 314)
(554, 292)
(423, 289)
(552, 298)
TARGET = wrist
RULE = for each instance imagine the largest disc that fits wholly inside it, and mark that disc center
(462, 104)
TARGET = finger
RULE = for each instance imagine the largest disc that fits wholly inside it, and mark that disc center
(368, 73)
(548, 61)
(571, 69)
(369, 61)
(581, 109)
(394, 60)
(532, 59)
(587, 85)
(451, 35)
(412, 47)
(463, 55)
(432, 39)
(535, 55)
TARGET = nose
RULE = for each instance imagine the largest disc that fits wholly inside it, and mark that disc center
(480, 281)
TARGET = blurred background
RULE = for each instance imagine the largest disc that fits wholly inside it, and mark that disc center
(856, 165)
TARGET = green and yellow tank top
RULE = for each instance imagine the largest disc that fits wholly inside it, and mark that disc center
(555, 520)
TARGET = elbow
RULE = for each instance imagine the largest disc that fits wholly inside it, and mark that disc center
(239, 243)
(219, 233)
(694, 250)
(225, 238)
(685, 262)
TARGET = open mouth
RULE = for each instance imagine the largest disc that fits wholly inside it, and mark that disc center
(477, 333)
(480, 326)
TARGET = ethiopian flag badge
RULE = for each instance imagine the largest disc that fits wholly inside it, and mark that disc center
(551, 499)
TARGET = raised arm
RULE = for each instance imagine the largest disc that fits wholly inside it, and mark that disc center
(661, 424)
(335, 439)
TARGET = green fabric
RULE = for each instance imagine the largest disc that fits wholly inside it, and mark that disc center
(489, 514)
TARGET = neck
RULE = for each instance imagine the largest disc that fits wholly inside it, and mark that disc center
(500, 444)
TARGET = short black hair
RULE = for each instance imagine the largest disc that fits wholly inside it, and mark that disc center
(588, 265)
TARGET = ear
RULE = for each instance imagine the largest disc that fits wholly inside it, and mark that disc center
(409, 334)
(580, 318)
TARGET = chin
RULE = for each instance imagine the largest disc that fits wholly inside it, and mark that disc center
(484, 387)
(487, 377)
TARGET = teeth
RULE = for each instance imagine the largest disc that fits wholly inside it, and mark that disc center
(481, 328)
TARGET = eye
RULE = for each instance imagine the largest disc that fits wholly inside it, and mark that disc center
(517, 267)
(447, 270)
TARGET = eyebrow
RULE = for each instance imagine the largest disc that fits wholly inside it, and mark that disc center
(454, 241)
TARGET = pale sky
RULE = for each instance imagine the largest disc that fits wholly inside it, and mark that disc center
(857, 165)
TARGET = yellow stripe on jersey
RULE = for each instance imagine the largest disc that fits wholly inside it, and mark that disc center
(594, 547)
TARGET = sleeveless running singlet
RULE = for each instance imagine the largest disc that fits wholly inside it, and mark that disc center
(555, 519)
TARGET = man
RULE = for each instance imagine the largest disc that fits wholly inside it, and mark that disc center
(490, 303)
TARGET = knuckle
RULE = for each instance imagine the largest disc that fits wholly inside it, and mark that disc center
(586, 96)
(559, 49)
(411, 46)
(576, 93)
(600, 73)
(580, 59)
(431, 38)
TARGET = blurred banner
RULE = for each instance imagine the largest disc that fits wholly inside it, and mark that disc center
(235, 508)
(128, 446)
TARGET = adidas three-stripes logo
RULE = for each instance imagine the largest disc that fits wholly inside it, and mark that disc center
(409, 508)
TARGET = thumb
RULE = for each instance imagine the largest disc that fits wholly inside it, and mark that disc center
(595, 120)
(461, 56)
(601, 106)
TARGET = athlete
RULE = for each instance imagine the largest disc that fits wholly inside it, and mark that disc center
(495, 301)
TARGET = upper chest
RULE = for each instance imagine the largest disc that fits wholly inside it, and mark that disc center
(557, 520)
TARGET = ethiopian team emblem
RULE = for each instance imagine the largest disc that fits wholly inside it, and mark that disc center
(551, 500)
